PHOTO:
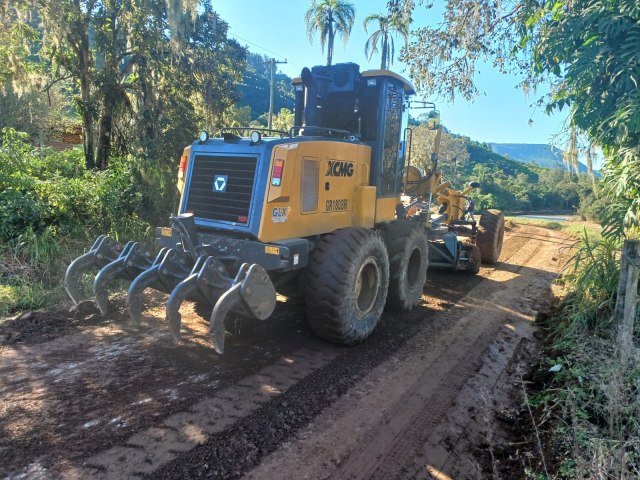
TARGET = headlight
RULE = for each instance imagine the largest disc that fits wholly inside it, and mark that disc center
(255, 137)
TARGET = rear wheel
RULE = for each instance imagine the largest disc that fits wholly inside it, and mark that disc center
(408, 262)
(346, 286)
(490, 235)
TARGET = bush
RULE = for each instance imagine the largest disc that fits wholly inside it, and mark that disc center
(52, 207)
(594, 280)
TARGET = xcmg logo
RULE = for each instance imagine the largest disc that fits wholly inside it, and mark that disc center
(339, 169)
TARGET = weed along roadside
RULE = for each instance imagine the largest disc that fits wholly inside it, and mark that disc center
(581, 400)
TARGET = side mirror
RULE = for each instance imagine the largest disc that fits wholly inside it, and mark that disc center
(474, 184)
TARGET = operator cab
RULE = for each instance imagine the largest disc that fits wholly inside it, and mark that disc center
(338, 100)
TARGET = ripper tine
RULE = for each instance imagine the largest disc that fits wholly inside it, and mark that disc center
(139, 284)
(74, 271)
(225, 304)
(113, 270)
(104, 250)
(252, 294)
(179, 294)
(146, 279)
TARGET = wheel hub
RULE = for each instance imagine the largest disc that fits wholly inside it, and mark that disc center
(367, 285)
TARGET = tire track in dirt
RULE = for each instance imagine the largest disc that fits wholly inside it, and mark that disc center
(60, 432)
(148, 450)
(429, 372)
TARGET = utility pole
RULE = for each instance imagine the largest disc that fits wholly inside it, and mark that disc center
(273, 62)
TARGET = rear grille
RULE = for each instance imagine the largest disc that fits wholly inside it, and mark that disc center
(232, 204)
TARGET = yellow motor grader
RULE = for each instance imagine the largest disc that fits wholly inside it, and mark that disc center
(316, 209)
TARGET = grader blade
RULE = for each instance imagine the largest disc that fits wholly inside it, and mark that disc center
(132, 261)
(103, 251)
(252, 294)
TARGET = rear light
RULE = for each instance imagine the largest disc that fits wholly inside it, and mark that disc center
(183, 166)
(276, 174)
(243, 219)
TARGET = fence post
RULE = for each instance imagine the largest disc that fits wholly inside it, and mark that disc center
(627, 300)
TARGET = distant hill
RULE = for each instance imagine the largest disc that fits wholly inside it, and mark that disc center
(536, 153)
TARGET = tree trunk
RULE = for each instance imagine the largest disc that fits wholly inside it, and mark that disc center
(86, 107)
(332, 35)
(106, 124)
(385, 50)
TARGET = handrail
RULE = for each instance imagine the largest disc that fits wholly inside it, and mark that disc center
(281, 133)
(331, 132)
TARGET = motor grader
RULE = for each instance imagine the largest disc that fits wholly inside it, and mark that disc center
(316, 211)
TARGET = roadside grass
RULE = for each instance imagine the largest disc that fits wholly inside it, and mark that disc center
(33, 266)
(590, 408)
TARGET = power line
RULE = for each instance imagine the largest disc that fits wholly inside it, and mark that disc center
(261, 48)
(256, 45)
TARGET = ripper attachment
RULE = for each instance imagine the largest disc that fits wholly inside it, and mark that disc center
(189, 270)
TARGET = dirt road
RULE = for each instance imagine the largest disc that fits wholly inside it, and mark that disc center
(82, 396)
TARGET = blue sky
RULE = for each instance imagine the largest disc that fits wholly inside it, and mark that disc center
(276, 28)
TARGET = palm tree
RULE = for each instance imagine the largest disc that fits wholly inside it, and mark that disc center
(387, 26)
(330, 17)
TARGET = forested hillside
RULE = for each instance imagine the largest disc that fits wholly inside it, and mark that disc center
(254, 88)
(507, 184)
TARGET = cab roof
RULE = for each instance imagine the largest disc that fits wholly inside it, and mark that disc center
(408, 87)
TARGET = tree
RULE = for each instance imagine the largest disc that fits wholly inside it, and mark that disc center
(330, 17)
(453, 152)
(132, 62)
(388, 25)
(590, 50)
(587, 50)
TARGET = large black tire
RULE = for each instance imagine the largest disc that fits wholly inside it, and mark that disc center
(490, 235)
(408, 262)
(346, 285)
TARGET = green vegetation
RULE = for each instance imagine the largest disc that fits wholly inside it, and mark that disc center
(254, 90)
(506, 184)
(52, 207)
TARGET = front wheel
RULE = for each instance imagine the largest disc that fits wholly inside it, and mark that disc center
(346, 286)
(490, 235)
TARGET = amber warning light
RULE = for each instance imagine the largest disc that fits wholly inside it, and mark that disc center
(276, 174)
(183, 165)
